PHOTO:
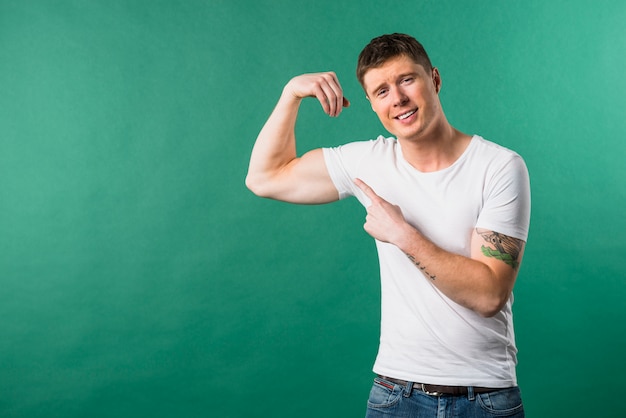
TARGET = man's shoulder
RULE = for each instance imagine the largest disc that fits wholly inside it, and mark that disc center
(485, 149)
(373, 147)
(377, 143)
(497, 163)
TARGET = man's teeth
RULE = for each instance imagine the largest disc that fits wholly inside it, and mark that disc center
(406, 115)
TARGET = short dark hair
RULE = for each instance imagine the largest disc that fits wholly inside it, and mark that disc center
(385, 47)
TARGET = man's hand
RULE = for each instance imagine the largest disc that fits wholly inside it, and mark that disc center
(324, 86)
(384, 221)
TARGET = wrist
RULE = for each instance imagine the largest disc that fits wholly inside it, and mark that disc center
(408, 238)
(290, 94)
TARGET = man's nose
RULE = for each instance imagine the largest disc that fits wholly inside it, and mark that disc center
(399, 98)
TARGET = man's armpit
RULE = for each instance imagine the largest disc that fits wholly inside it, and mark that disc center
(501, 247)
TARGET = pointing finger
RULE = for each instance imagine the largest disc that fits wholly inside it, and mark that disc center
(369, 192)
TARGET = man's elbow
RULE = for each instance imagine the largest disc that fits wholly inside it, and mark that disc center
(489, 312)
(256, 186)
(492, 305)
(263, 186)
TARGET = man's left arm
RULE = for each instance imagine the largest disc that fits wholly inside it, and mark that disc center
(482, 282)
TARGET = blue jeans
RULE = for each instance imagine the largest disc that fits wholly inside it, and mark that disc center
(388, 399)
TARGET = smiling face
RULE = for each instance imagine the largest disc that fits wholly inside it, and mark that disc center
(405, 97)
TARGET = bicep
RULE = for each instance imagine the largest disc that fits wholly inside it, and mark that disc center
(305, 180)
(501, 253)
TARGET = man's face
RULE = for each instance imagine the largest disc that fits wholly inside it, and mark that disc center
(404, 96)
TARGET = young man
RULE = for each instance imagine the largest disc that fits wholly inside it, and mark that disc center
(450, 215)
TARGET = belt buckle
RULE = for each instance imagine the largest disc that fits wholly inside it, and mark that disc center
(435, 393)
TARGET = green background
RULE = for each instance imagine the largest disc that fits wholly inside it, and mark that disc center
(139, 277)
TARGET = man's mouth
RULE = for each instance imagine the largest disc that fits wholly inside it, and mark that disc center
(406, 115)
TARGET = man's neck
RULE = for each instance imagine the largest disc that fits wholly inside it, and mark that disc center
(435, 151)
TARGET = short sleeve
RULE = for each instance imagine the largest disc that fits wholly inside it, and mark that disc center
(506, 207)
(345, 163)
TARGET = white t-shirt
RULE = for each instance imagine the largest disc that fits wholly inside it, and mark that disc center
(425, 336)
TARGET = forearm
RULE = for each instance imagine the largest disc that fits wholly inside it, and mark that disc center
(275, 146)
(468, 282)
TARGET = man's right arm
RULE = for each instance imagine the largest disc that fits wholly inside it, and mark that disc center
(275, 170)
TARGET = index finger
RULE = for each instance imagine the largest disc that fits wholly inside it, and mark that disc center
(369, 192)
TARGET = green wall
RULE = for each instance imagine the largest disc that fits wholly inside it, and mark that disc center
(138, 276)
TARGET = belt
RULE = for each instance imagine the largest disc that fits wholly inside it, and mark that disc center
(438, 390)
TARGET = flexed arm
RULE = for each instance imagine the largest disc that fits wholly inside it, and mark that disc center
(275, 170)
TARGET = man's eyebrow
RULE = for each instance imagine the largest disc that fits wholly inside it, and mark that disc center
(378, 87)
(410, 73)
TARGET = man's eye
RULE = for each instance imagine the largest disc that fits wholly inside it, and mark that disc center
(407, 80)
(381, 92)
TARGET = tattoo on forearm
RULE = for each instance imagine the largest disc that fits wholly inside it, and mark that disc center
(506, 249)
(421, 267)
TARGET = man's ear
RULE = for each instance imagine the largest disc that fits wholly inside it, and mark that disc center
(436, 79)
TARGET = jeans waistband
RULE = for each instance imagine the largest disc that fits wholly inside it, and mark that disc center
(438, 390)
